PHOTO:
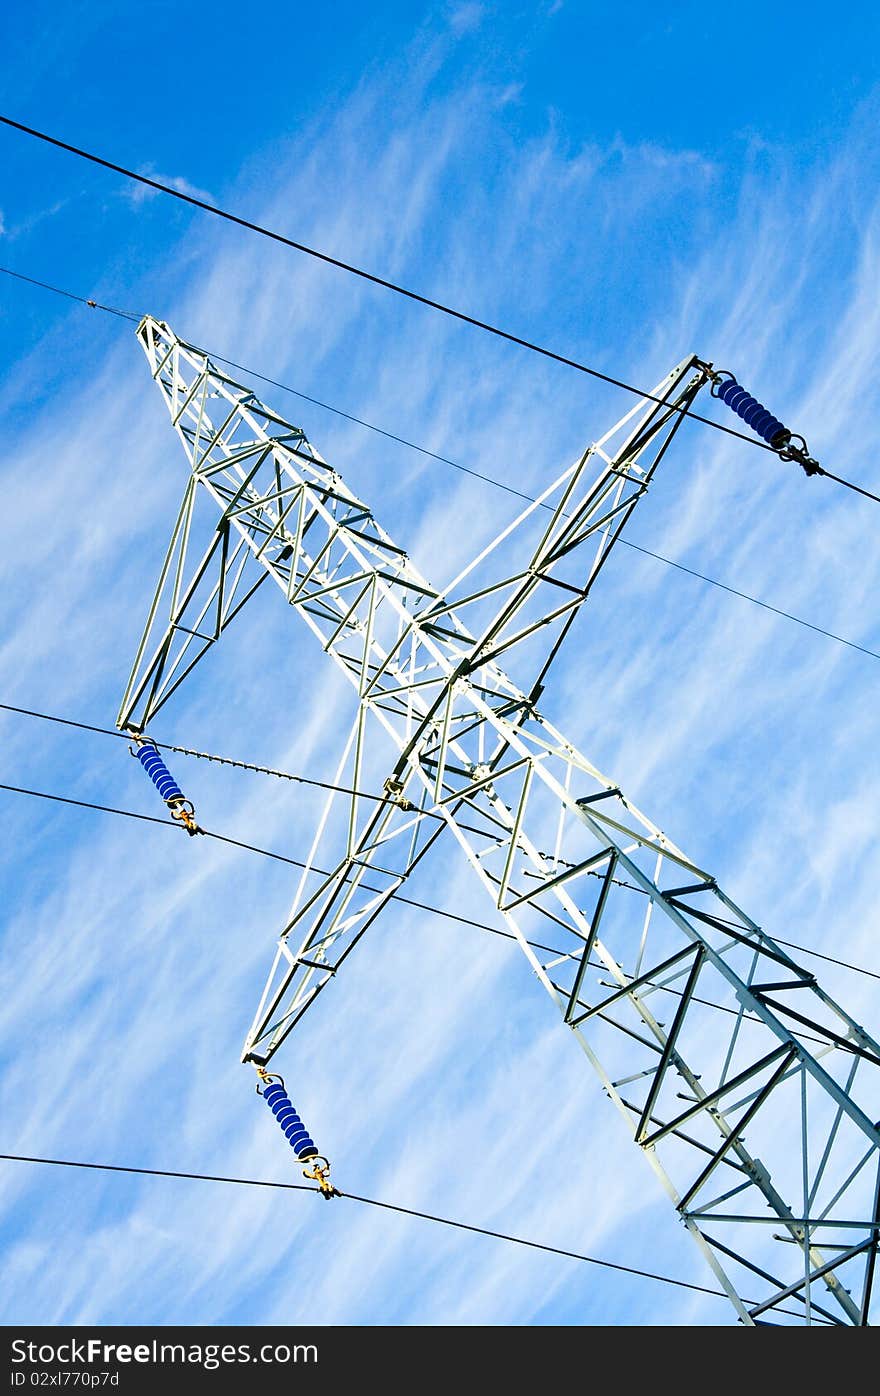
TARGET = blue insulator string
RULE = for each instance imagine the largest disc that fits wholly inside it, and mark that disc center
(148, 755)
(297, 1135)
(763, 423)
(754, 414)
(159, 774)
(295, 1132)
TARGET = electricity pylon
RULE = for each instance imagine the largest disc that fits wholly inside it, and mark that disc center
(753, 1096)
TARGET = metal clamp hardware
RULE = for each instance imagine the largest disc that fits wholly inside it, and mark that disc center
(147, 753)
(273, 1091)
(394, 790)
(322, 1178)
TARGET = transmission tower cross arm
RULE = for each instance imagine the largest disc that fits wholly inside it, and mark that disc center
(584, 510)
(285, 513)
(751, 1093)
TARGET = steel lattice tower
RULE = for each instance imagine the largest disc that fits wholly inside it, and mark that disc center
(751, 1093)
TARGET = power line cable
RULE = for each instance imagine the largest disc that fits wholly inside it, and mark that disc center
(71, 296)
(286, 388)
(530, 499)
(322, 872)
(746, 596)
(385, 1206)
(186, 751)
(465, 470)
(406, 901)
(253, 848)
(393, 286)
(423, 906)
(158, 1172)
(361, 794)
(161, 187)
(211, 757)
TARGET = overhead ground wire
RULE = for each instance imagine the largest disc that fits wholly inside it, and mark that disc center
(398, 897)
(430, 303)
(466, 470)
(385, 1206)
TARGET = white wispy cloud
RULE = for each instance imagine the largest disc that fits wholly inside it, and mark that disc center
(465, 18)
(138, 194)
(434, 1071)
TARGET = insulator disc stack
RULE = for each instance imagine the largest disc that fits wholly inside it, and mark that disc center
(159, 774)
(297, 1135)
(754, 414)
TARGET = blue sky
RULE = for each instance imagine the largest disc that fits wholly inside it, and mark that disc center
(624, 187)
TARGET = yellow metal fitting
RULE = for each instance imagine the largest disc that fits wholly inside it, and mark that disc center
(322, 1178)
(185, 814)
(394, 790)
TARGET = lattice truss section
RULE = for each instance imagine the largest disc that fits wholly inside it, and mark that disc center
(752, 1094)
